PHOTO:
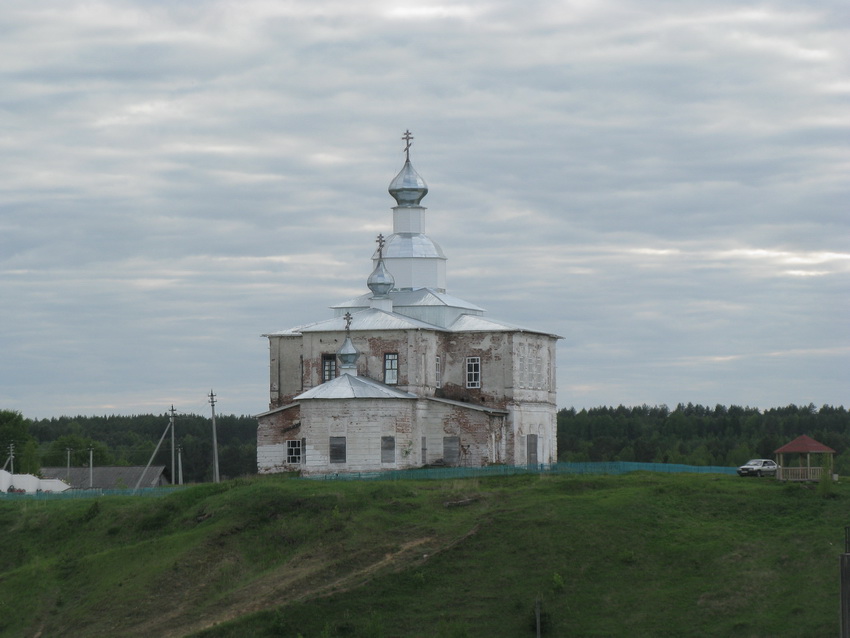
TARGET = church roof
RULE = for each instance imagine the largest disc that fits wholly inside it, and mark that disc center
(347, 386)
(473, 323)
(369, 319)
(418, 297)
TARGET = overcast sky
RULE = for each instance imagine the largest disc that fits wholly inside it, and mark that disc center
(662, 183)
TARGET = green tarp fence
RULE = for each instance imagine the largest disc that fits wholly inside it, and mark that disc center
(616, 467)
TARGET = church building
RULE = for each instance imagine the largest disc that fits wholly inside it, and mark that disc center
(407, 375)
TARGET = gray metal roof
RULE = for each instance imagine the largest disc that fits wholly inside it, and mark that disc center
(473, 323)
(108, 477)
(372, 319)
(364, 320)
(418, 297)
(347, 386)
(407, 245)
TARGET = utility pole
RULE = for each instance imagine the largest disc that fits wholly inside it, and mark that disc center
(180, 465)
(91, 468)
(171, 421)
(12, 456)
(844, 585)
(68, 469)
(216, 478)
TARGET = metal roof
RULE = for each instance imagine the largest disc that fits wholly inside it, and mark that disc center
(347, 386)
(364, 320)
(418, 297)
(109, 477)
(412, 245)
(373, 319)
(473, 323)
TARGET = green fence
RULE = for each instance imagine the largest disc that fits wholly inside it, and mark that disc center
(44, 496)
(616, 467)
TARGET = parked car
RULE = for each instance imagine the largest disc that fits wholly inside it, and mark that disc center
(758, 467)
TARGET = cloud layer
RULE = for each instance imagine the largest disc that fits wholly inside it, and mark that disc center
(665, 184)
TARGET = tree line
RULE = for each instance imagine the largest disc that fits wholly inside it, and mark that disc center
(130, 440)
(696, 434)
(689, 434)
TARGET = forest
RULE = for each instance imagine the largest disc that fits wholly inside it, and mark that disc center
(697, 435)
(130, 440)
(689, 434)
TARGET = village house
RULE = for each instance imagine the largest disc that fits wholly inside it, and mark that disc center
(407, 375)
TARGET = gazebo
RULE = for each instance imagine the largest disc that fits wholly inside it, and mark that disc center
(802, 445)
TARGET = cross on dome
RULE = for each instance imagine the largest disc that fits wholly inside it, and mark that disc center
(407, 137)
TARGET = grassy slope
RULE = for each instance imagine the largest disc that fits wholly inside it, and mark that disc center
(651, 555)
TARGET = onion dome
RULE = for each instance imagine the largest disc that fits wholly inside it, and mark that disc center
(408, 188)
(348, 353)
(380, 282)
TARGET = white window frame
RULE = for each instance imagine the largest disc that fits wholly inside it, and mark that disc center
(473, 372)
(294, 452)
(438, 381)
(391, 368)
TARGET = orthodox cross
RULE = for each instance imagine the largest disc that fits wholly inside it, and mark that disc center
(407, 137)
(347, 317)
(380, 241)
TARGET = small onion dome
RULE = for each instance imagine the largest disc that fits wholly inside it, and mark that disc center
(408, 188)
(380, 282)
(348, 353)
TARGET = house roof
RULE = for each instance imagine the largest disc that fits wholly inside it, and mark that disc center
(804, 444)
(108, 477)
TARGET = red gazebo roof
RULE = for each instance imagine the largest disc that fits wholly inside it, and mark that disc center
(805, 445)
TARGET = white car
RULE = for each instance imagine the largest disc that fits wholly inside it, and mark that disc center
(758, 467)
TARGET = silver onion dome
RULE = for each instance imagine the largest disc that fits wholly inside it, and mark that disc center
(380, 282)
(348, 354)
(408, 188)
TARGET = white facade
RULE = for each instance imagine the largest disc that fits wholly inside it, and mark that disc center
(434, 380)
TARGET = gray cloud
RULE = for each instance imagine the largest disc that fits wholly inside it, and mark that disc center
(663, 184)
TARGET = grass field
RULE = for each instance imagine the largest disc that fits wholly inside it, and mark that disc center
(635, 555)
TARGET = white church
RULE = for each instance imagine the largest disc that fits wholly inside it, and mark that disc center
(407, 375)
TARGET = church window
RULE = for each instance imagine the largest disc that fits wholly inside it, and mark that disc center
(337, 449)
(328, 367)
(531, 449)
(473, 372)
(293, 451)
(391, 368)
(439, 370)
(387, 449)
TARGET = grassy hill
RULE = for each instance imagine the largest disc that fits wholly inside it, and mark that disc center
(635, 555)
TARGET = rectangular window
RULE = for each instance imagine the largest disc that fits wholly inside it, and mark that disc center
(391, 368)
(337, 446)
(473, 372)
(328, 367)
(531, 449)
(387, 449)
(293, 452)
(439, 370)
